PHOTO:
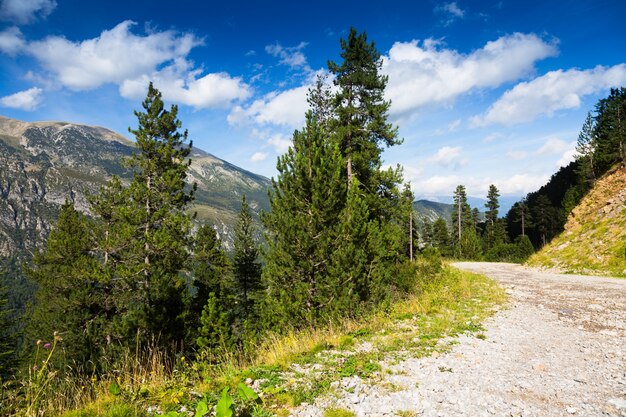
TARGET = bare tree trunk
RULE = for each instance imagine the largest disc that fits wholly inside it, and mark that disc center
(411, 235)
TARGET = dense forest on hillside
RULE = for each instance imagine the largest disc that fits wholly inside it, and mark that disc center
(134, 276)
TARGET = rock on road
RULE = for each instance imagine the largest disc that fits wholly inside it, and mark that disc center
(558, 348)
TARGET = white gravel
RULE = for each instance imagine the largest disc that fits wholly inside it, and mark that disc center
(557, 349)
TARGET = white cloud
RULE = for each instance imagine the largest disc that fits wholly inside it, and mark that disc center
(492, 136)
(567, 157)
(131, 61)
(24, 100)
(11, 41)
(258, 156)
(281, 143)
(25, 11)
(554, 145)
(447, 155)
(113, 57)
(290, 56)
(424, 73)
(556, 90)
(181, 84)
(284, 108)
(517, 155)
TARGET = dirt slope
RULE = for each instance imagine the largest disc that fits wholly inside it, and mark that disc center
(594, 240)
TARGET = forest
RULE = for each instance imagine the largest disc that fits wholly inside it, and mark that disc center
(135, 276)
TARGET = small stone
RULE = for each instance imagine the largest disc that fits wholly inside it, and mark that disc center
(619, 403)
(571, 410)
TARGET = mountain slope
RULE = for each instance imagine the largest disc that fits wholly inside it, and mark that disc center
(431, 210)
(44, 163)
(594, 239)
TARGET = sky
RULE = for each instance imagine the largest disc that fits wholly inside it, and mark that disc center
(483, 92)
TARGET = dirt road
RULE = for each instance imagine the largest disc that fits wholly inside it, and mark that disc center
(557, 349)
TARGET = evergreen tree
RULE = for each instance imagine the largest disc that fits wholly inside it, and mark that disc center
(361, 110)
(146, 239)
(211, 277)
(586, 148)
(494, 230)
(302, 230)
(214, 332)
(246, 266)
(522, 215)
(469, 247)
(544, 216)
(610, 129)
(70, 296)
(441, 237)
(461, 214)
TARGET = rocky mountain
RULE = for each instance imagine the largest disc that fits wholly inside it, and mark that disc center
(430, 210)
(594, 239)
(44, 163)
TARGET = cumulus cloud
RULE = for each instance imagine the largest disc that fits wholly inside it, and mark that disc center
(11, 40)
(517, 155)
(131, 61)
(556, 90)
(281, 143)
(291, 56)
(447, 155)
(567, 157)
(284, 108)
(423, 73)
(554, 146)
(24, 100)
(25, 11)
(183, 85)
(258, 156)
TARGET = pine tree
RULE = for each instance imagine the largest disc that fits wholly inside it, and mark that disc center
(522, 215)
(586, 148)
(214, 331)
(610, 129)
(306, 202)
(70, 296)
(461, 214)
(361, 113)
(494, 229)
(441, 237)
(246, 266)
(211, 274)
(146, 239)
(544, 216)
(469, 246)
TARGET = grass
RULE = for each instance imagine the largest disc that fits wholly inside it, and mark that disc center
(290, 369)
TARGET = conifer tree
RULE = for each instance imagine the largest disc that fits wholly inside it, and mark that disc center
(461, 214)
(306, 202)
(441, 237)
(214, 332)
(494, 229)
(610, 129)
(70, 296)
(586, 148)
(360, 107)
(469, 246)
(148, 219)
(544, 217)
(211, 277)
(246, 266)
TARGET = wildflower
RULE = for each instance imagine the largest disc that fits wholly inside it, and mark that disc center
(35, 368)
(46, 346)
(182, 358)
(38, 342)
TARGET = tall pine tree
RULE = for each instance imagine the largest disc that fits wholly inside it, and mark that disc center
(461, 214)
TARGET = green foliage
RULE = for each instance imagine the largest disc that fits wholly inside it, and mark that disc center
(338, 412)
(7, 338)
(462, 218)
(71, 295)
(246, 266)
(470, 246)
(214, 332)
(441, 237)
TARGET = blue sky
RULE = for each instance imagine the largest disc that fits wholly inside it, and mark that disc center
(482, 91)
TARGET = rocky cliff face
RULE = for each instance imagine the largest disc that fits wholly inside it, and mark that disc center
(42, 164)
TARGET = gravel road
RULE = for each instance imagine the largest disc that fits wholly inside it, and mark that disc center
(557, 349)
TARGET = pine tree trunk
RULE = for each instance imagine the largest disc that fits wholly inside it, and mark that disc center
(411, 236)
